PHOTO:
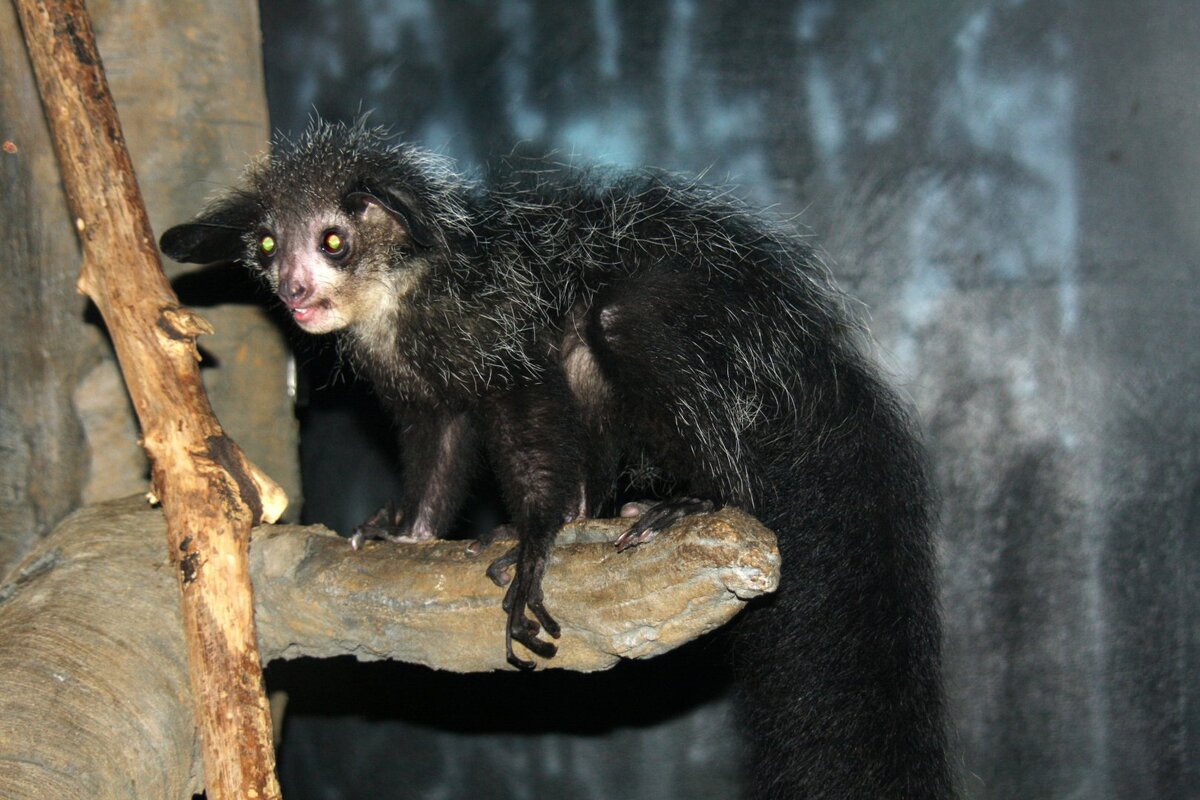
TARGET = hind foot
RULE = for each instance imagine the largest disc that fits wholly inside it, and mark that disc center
(654, 518)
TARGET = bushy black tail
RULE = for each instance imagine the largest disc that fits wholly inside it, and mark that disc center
(839, 671)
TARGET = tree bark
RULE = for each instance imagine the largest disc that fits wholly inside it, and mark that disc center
(94, 696)
(211, 494)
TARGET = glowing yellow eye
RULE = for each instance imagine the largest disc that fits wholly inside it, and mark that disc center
(267, 245)
(333, 243)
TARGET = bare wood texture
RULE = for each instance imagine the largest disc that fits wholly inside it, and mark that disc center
(211, 493)
(188, 82)
(187, 79)
(94, 699)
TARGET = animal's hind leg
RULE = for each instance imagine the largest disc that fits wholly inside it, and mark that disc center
(659, 349)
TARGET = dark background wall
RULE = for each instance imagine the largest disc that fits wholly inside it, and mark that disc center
(1011, 189)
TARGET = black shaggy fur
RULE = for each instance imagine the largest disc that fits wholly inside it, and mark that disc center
(577, 327)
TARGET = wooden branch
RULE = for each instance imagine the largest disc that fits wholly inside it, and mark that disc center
(93, 693)
(432, 604)
(211, 494)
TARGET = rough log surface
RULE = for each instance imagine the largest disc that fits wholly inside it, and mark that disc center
(94, 693)
(94, 698)
(432, 604)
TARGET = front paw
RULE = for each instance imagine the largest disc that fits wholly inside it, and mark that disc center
(390, 525)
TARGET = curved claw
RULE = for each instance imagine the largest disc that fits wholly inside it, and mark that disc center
(543, 616)
(376, 526)
(524, 630)
(525, 592)
(535, 645)
(658, 518)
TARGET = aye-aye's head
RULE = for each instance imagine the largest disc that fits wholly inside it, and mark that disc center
(341, 223)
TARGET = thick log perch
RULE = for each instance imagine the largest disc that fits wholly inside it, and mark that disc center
(431, 603)
(94, 694)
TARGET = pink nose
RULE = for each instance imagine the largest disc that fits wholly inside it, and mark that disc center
(294, 291)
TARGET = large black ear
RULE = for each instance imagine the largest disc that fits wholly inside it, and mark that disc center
(216, 235)
(400, 211)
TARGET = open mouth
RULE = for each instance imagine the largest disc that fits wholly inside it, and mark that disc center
(306, 316)
(305, 313)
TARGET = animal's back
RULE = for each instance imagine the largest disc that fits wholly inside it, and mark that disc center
(736, 368)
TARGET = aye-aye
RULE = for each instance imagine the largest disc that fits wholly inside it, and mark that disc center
(584, 329)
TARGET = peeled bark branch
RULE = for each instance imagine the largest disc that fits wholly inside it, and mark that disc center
(211, 494)
(94, 699)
